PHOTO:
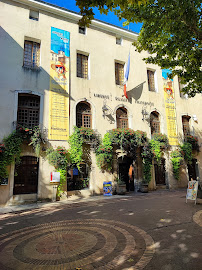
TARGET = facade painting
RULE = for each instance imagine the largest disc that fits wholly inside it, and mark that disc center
(170, 107)
(59, 85)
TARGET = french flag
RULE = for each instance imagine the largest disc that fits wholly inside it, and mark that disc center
(126, 75)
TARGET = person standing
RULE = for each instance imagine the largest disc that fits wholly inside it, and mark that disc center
(131, 177)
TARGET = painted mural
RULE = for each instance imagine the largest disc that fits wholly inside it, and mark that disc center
(59, 85)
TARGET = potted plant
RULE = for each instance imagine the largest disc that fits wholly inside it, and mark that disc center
(144, 186)
(120, 186)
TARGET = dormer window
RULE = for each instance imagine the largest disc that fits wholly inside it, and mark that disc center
(118, 41)
(34, 15)
(82, 30)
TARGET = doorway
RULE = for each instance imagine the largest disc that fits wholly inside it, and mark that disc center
(26, 179)
(124, 165)
(160, 173)
(193, 170)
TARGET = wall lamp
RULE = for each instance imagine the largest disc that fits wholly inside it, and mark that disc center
(145, 115)
(106, 110)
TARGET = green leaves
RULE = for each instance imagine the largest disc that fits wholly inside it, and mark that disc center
(171, 33)
(176, 159)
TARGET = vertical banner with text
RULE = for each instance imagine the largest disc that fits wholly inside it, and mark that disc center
(59, 85)
(169, 100)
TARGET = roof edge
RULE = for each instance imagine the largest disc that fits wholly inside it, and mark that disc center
(60, 11)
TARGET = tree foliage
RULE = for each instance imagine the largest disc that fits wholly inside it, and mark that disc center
(171, 33)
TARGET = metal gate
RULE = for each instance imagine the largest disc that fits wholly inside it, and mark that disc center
(26, 179)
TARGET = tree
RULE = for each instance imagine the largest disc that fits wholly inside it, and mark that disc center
(171, 33)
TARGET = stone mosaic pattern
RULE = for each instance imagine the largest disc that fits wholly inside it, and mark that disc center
(84, 244)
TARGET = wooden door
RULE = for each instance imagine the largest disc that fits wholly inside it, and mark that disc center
(26, 179)
(160, 173)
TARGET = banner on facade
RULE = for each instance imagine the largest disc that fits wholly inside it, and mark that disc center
(107, 188)
(169, 100)
(59, 85)
(192, 191)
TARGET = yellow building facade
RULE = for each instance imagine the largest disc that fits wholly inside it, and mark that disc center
(58, 75)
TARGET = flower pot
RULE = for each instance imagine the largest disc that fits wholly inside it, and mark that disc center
(121, 189)
(144, 188)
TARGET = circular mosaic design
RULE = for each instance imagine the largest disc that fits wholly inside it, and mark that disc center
(198, 218)
(76, 244)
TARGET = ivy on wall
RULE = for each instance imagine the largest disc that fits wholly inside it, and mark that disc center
(176, 159)
(125, 139)
(11, 148)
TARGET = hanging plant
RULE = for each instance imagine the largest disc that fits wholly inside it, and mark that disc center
(77, 139)
(104, 153)
(10, 152)
(162, 139)
(158, 144)
(37, 139)
(176, 159)
(147, 157)
(186, 150)
(59, 158)
(193, 140)
(127, 139)
(11, 148)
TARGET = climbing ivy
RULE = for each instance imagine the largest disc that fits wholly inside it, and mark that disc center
(176, 159)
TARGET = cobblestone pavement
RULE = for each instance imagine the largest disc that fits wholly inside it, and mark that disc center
(157, 230)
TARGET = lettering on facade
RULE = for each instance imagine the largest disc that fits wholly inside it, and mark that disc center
(102, 96)
(121, 99)
(145, 103)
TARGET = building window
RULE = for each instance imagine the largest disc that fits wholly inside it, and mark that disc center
(34, 15)
(182, 95)
(82, 66)
(119, 41)
(119, 73)
(83, 115)
(31, 54)
(151, 80)
(122, 118)
(185, 125)
(154, 123)
(82, 30)
(28, 110)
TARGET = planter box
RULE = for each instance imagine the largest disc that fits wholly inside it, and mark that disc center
(144, 188)
(121, 189)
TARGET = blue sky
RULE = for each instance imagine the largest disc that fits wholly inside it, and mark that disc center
(110, 18)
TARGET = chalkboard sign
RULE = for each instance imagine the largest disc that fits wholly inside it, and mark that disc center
(3, 181)
(192, 191)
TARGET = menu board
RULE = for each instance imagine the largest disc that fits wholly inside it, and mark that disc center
(192, 191)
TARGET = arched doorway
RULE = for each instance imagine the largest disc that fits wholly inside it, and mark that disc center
(123, 170)
(26, 179)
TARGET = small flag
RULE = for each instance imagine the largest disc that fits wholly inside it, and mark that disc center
(126, 75)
